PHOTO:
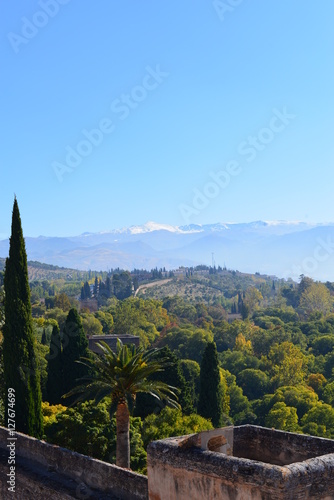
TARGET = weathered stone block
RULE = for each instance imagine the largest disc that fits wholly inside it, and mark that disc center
(252, 463)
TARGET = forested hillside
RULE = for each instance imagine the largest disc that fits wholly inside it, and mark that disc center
(274, 342)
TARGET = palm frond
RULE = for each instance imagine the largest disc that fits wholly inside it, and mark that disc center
(122, 375)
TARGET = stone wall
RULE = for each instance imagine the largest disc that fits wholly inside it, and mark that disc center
(190, 467)
(48, 471)
(233, 463)
(277, 447)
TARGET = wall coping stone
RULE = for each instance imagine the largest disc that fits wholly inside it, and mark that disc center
(99, 475)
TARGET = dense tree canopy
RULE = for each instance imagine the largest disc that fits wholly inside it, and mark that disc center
(274, 366)
(316, 298)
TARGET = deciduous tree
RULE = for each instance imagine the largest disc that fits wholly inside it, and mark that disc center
(316, 298)
(288, 364)
(282, 417)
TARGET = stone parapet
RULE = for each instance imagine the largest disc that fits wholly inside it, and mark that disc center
(56, 472)
(255, 464)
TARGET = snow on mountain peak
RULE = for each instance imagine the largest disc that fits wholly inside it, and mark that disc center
(284, 222)
(153, 226)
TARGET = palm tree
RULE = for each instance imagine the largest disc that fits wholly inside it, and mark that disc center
(121, 376)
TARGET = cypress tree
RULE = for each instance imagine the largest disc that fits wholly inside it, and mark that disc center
(108, 286)
(54, 384)
(21, 371)
(43, 341)
(87, 291)
(75, 346)
(210, 404)
(96, 287)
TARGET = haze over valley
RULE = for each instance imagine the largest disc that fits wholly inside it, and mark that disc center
(284, 249)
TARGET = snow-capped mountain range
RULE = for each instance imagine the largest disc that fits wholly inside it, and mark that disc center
(198, 228)
(281, 248)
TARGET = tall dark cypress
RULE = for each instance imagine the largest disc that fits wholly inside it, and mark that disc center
(210, 404)
(21, 371)
(96, 287)
(54, 384)
(75, 345)
(43, 341)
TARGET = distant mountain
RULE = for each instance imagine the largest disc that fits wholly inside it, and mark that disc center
(285, 249)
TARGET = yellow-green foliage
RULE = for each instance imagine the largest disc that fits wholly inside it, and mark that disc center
(187, 342)
(87, 428)
(282, 417)
(50, 412)
(91, 325)
(288, 364)
(170, 422)
(140, 317)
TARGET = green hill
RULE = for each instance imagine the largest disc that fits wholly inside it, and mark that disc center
(39, 271)
(211, 288)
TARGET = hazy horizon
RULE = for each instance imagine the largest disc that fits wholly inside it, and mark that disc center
(169, 227)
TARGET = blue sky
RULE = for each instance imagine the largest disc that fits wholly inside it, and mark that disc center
(116, 113)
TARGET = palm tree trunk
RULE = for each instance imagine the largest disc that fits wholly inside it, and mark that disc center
(123, 436)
